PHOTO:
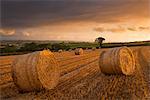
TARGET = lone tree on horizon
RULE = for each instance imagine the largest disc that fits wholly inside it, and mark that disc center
(100, 40)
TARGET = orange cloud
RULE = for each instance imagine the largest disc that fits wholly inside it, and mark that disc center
(144, 28)
(26, 33)
(117, 29)
(100, 29)
(7, 32)
(131, 29)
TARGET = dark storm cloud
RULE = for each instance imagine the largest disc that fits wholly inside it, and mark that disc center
(30, 13)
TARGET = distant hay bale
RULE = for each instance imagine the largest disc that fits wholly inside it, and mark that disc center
(60, 50)
(70, 50)
(117, 61)
(35, 71)
(78, 51)
(93, 48)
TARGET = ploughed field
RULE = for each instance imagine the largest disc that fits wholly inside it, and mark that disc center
(81, 79)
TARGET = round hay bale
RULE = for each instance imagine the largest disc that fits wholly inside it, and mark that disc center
(70, 50)
(35, 71)
(60, 50)
(78, 51)
(93, 48)
(117, 61)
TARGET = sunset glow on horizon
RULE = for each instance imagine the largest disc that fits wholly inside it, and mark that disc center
(115, 20)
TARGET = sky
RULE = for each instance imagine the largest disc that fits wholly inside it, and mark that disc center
(75, 20)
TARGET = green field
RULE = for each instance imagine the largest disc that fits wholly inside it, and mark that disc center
(31, 46)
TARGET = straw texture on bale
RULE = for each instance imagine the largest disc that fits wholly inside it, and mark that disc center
(117, 61)
(78, 51)
(35, 71)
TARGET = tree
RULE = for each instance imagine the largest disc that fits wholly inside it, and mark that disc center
(58, 46)
(9, 49)
(44, 46)
(35, 47)
(29, 47)
(100, 40)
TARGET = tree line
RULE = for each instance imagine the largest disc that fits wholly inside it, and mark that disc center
(34, 47)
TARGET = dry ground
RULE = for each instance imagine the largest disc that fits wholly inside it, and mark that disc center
(81, 79)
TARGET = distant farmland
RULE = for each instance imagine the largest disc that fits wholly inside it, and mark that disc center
(21, 47)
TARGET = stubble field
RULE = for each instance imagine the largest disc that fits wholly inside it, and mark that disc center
(81, 79)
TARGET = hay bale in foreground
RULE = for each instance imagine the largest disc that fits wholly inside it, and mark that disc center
(78, 51)
(117, 61)
(35, 71)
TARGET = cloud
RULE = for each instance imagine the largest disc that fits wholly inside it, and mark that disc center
(100, 29)
(12, 34)
(7, 32)
(31, 16)
(120, 29)
(140, 28)
(32, 13)
(26, 33)
(131, 29)
(144, 28)
(114, 30)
